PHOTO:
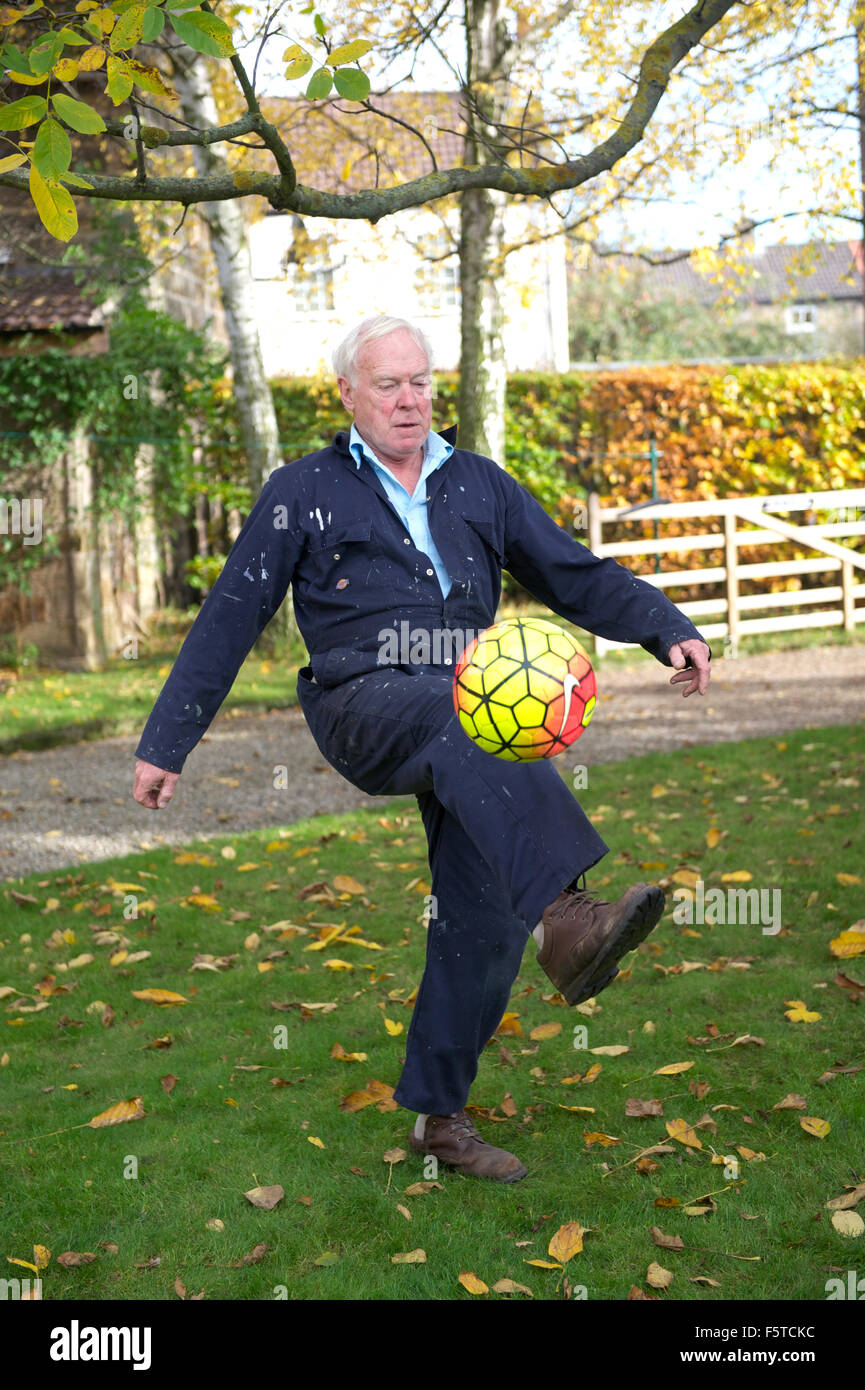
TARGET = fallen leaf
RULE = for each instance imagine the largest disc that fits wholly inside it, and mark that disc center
(640, 1109)
(666, 1242)
(159, 996)
(544, 1031)
(118, 1114)
(265, 1198)
(471, 1283)
(812, 1125)
(567, 1242)
(419, 1189)
(657, 1277)
(673, 1069)
(681, 1130)
(612, 1050)
(849, 943)
(409, 1257)
(791, 1101)
(798, 1012)
(508, 1286)
(71, 1259)
(848, 1223)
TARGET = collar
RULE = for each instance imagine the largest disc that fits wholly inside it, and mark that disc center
(436, 450)
(342, 438)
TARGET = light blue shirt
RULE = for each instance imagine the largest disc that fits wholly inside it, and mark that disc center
(411, 509)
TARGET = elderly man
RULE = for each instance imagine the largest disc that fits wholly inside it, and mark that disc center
(390, 530)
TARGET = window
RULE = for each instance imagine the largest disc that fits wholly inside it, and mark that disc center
(312, 288)
(437, 281)
(801, 318)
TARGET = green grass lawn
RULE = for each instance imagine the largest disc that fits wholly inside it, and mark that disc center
(44, 707)
(242, 1110)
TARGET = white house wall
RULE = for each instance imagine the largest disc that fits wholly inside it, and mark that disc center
(374, 271)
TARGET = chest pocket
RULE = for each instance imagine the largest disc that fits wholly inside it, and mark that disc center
(341, 551)
(490, 533)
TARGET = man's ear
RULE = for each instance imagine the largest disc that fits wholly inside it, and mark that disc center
(346, 393)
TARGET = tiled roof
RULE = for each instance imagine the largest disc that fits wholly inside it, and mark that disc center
(800, 274)
(339, 147)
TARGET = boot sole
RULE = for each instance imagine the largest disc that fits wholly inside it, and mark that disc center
(643, 918)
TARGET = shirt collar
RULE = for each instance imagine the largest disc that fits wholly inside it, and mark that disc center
(435, 451)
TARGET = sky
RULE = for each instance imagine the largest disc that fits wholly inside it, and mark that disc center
(701, 209)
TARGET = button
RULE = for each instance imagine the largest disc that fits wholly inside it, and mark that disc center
(406, 541)
(448, 661)
(430, 571)
(336, 555)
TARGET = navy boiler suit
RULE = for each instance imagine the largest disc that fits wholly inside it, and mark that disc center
(504, 838)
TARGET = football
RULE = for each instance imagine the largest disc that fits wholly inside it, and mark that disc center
(524, 689)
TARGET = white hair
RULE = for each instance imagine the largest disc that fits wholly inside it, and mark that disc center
(346, 353)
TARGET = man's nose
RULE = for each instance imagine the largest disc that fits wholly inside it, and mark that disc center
(405, 395)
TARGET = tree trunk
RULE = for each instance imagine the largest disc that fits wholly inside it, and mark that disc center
(229, 242)
(230, 246)
(481, 404)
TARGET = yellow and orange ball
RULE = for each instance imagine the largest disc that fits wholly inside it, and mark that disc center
(524, 689)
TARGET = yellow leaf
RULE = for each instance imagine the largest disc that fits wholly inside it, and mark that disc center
(118, 1114)
(42, 1256)
(713, 835)
(206, 901)
(312, 1139)
(12, 161)
(688, 877)
(510, 1023)
(509, 1286)
(542, 1264)
(567, 1242)
(673, 1069)
(849, 943)
(848, 880)
(738, 876)
(118, 958)
(587, 1109)
(659, 790)
(159, 996)
(610, 1050)
(409, 1257)
(344, 883)
(799, 1012)
(596, 1137)
(24, 1263)
(338, 965)
(545, 1030)
(812, 1125)
(681, 1130)
(472, 1283)
(393, 1028)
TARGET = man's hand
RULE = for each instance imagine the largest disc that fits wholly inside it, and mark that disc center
(153, 787)
(698, 673)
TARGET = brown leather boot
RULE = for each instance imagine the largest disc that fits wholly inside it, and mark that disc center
(453, 1139)
(584, 936)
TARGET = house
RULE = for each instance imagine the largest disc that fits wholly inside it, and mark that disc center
(88, 599)
(316, 278)
(811, 293)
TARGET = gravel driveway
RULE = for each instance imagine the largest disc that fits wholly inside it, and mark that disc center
(73, 804)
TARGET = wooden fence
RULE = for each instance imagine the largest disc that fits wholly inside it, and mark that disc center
(747, 522)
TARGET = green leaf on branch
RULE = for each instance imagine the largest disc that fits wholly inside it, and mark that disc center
(52, 151)
(205, 33)
(154, 21)
(349, 52)
(54, 205)
(69, 36)
(299, 67)
(45, 53)
(320, 26)
(352, 84)
(319, 84)
(22, 113)
(127, 31)
(78, 114)
(119, 79)
(76, 180)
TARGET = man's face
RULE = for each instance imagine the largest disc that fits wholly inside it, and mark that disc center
(391, 400)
